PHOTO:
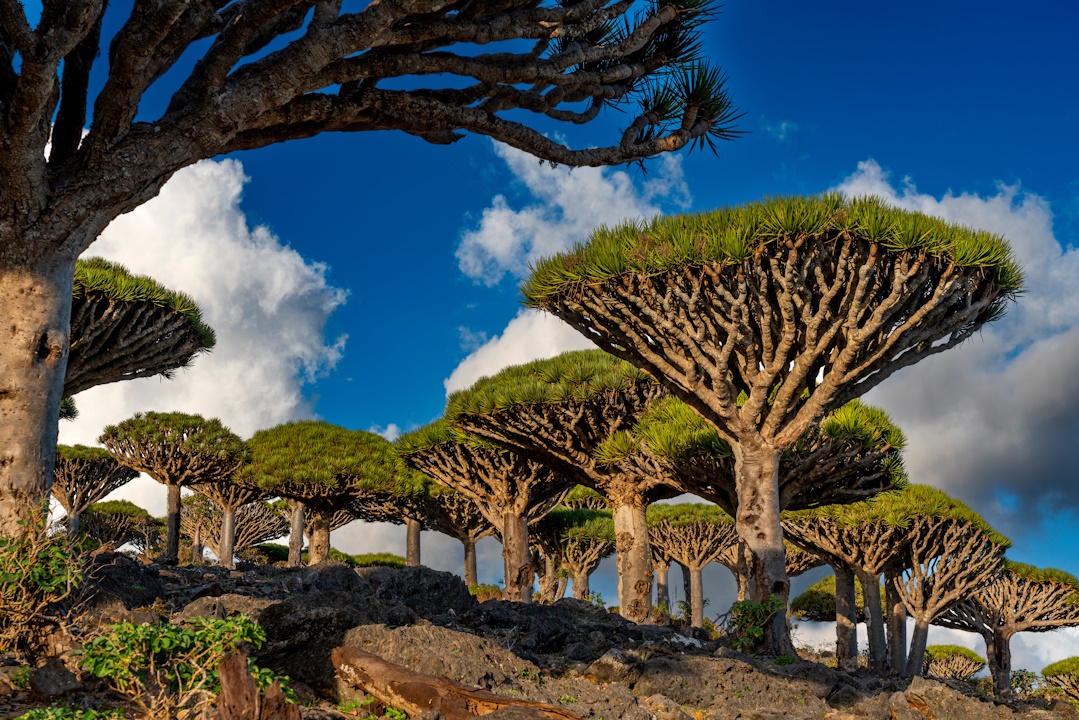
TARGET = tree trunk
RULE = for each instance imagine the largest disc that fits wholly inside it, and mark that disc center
(846, 619)
(743, 586)
(196, 545)
(563, 581)
(228, 538)
(516, 560)
(470, 562)
(634, 562)
(916, 658)
(295, 535)
(756, 476)
(412, 542)
(696, 594)
(318, 549)
(686, 582)
(35, 318)
(998, 653)
(172, 525)
(72, 524)
(874, 620)
(580, 585)
(663, 598)
(897, 624)
(550, 581)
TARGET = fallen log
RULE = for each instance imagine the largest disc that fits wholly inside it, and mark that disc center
(415, 693)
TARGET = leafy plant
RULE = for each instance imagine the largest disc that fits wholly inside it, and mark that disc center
(67, 713)
(566, 699)
(396, 714)
(595, 598)
(20, 676)
(748, 620)
(786, 659)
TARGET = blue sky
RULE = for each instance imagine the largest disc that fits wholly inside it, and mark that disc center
(966, 109)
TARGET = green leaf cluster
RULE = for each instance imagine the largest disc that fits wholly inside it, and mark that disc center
(82, 453)
(899, 507)
(1066, 667)
(115, 282)
(943, 652)
(188, 433)
(578, 524)
(570, 377)
(437, 433)
(582, 493)
(61, 712)
(1035, 574)
(748, 620)
(126, 508)
(818, 601)
(734, 235)
(684, 514)
(670, 429)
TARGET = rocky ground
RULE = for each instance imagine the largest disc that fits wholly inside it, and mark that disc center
(591, 662)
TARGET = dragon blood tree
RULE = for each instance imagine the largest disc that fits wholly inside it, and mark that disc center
(694, 535)
(949, 552)
(1064, 675)
(818, 602)
(582, 497)
(1020, 598)
(578, 539)
(661, 564)
(255, 523)
(177, 450)
(799, 561)
(457, 515)
(126, 326)
(229, 493)
(559, 412)
(115, 522)
(508, 489)
(292, 512)
(321, 465)
(952, 662)
(84, 476)
(766, 317)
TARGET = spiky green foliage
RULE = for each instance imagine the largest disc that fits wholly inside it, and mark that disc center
(68, 409)
(1036, 574)
(898, 508)
(571, 376)
(115, 522)
(577, 524)
(943, 652)
(683, 514)
(82, 453)
(670, 429)
(383, 559)
(320, 463)
(125, 508)
(731, 236)
(584, 497)
(1067, 666)
(115, 282)
(817, 603)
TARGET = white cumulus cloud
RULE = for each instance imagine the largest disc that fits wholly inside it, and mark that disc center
(268, 304)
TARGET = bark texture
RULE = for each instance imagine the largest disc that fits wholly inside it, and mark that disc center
(412, 542)
(897, 623)
(295, 534)
(318, 548)
(663, 596)
(517, 562)
(634, 562)
(846, 617)
(172, 524)
(471, 573)
(874, 620)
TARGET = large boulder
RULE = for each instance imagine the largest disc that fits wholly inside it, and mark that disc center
(430, 593)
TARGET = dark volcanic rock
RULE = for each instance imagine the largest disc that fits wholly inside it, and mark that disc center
(52, 680)
(428, 592)
(614, 666)
(114, 578)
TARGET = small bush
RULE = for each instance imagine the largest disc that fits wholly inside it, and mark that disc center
(383, 559)
(951, 661)
(1062, 675)
(66, 713)
(747, 621)
(483, 593)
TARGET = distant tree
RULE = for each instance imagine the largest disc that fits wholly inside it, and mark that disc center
(510, 490)
(950, 552)
(1064, 675)
(249, 74)
(661, 564)
(292, 511)
(256, 522)
(799, 561)
(818, 602)
(114, 522)
(457, 515)
(1021, 598)
(952, 662)
(229, 493)
(178, 450)
(84, 476)
(321, 465)
(558, 412)
(579, 538)
(126, 326)
(768, 316)
(584, 498)
(694, 535)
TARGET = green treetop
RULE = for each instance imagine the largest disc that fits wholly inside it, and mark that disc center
(817, 603)
(84, 475)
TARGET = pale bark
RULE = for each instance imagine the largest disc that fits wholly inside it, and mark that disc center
(225, 550)
(918, 639)
(471, 574)
(35, 315)
(634, 562)
(757, 520)
(897, 624)
(412, 542)
(696, 594)
(846, 619)
(295, 535)
(73, 524)
(563, 583)
(874, 620)
(663, 597)
(172, 525)
(516, 559)
(318, 549)
(580, 585)
(196, 545)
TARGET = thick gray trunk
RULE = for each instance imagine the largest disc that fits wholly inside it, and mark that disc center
(874, 620)
(470, 562)
(663, 598)
(846, 619)
(72, 524)
(916, 657)
(228, 538)
(516, 560)
(634, 562)
(686, 582)
(580, 585)
(196, 546)
(696, 594)
(998, 653)
(412, 542)
(319, 548)
(897, 624)
(563, 583)
(35, 320)
(550, 581)
(295, 535)
(172, 525)
(756, 476)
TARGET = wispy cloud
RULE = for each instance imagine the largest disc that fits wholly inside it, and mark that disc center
(779, 130)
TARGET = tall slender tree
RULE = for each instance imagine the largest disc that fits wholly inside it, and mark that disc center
(255, 523)
(694, 535)
(84, 476)
(559, 412)
(177, 450)
(510, 490)
(323, 466)
(229, 92)
(765, 317)
(580, 538)
(455, 514)
(229, 493)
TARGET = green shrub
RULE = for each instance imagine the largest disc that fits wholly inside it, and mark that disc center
(383, 559)
(67, 713)
(483, 593)
(748, 619)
